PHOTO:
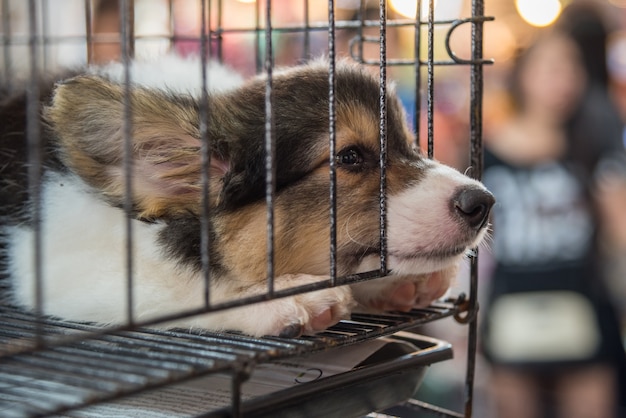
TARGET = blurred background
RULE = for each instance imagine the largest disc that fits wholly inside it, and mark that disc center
(71, 33)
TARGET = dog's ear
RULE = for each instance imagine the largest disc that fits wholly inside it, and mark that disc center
(87, 114)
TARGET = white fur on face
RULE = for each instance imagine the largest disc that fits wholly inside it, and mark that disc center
(426, 242)
(423, 234)
(422, 225)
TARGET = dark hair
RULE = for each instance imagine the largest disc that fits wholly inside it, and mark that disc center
(586, 25)
(520, 61)
(595, 128)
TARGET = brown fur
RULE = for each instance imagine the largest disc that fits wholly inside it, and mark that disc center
(87, 114)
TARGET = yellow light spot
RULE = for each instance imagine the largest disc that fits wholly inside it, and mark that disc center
(408, 8)
(539, 12)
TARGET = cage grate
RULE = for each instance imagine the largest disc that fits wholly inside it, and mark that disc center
(96, 369)
(50, 366)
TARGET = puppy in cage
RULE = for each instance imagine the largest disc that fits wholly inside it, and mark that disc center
(434, 213)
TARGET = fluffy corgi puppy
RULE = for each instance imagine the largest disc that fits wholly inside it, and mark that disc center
(434, 213)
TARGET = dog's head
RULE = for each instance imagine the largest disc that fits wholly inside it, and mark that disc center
(434, 213)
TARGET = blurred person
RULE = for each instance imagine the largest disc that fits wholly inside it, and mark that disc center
(551, 333)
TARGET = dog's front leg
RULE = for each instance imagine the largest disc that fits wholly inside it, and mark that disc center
(402, 292)
(290, 316)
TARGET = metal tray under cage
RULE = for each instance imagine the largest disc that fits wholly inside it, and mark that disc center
(79, 366)
(390, 376)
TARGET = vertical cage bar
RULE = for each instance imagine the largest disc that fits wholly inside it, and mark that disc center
(431, 77)
(332, 140)
(270, 169)
(6, 44)
(258, 62)
(306, 54)
(127, 31)
(35, 155)
(89, 30)
(418, 73)
(205, 242)
(361, 30)
(476, 90)
(383, 136)
(476, 157)
(220, 28)
(45, 36)
(172, 22)
(127, 50)
(235, 397)
(210, 28)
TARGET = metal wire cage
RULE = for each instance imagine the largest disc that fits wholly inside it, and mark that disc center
(47, 366)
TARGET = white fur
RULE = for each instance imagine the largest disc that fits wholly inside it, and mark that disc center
(173, 73)
(83, 247)
(84, 271)
(420, 222)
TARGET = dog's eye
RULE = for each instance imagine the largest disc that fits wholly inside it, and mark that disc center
(350, 157)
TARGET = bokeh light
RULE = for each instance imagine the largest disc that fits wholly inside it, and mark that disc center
(408, 8)
(538, 12)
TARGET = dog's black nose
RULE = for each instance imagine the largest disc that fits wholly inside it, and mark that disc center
(473, 206)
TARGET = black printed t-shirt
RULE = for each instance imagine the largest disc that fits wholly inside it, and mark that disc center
(544, 238)
(544, 229)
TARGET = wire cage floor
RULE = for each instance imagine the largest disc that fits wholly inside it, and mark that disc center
(50, 367)
(58, 378)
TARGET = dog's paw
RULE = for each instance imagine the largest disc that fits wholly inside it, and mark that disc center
(314, 312)
(293, 316)
(402, 293)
